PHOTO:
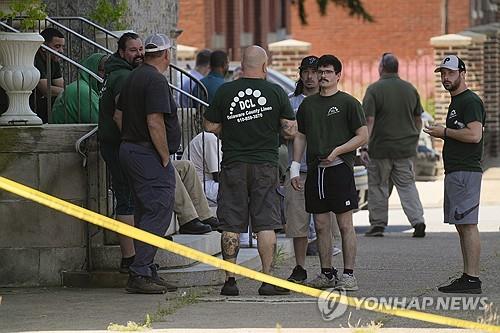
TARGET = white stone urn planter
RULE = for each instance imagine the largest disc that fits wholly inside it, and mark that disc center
(18, 76)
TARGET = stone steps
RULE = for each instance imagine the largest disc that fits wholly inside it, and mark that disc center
(195, 274)
(108, 257)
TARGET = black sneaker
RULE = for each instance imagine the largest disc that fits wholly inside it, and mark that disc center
(125, 264)
(462, 285)
(143, 285)
(159, 280)
(230, 288)
(267, 289)
(299, 275)
(375, 231)
(419, 230)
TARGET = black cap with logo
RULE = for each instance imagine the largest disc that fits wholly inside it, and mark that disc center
(309, 62)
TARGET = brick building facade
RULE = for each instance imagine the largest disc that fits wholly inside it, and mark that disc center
(400, 27)
(233, 24)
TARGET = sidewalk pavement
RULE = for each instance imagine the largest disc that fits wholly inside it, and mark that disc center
(396, 265)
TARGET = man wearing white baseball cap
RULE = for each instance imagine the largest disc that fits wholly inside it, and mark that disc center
(462, 154)
(150, 132)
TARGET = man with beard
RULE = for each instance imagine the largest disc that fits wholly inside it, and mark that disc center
(129, 55)
(462, 154)
(189, 200)
(333, 125)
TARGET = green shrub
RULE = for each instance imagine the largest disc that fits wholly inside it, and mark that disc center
(110, 16)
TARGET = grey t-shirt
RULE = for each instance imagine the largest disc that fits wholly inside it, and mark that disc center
(295, 101)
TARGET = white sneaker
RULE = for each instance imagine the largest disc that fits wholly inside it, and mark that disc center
(347, 282)
(321, 281)
(336, 251)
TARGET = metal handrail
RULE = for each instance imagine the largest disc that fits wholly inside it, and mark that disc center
(202, 102)
(191, 77)
(79, 18)
(78, 144)
(83, 19)
(60, 55)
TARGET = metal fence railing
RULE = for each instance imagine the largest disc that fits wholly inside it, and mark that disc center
(39, 101)
(358, 75)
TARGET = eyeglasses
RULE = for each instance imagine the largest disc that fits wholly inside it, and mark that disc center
(326, 72)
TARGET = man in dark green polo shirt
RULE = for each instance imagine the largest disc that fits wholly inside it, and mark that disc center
(393, 114)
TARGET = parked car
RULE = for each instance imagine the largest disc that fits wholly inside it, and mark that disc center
(428, 163)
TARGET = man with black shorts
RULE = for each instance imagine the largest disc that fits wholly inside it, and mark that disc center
(297, 219)
(333, 125)
(248, 114)
(150, 133)
(462, 154)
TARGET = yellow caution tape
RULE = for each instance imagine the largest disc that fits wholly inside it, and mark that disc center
(127, 230)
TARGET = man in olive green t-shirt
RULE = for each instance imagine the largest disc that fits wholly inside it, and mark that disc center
(393, 114)
(247, 114)
(462, 154)
(333, 125)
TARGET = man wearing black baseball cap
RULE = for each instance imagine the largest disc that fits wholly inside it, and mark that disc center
(462, 155)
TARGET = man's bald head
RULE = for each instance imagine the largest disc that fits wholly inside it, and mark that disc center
(254, 61)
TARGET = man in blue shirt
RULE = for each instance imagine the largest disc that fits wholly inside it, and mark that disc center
(219, 64)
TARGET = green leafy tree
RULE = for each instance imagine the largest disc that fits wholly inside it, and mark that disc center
(355, 8)
(30, 12)
(110, 15)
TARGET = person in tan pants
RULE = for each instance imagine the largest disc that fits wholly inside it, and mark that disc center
(191, 205)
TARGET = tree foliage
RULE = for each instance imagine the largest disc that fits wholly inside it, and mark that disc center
(355, 8)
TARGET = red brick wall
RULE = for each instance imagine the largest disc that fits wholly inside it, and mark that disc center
(402, 27)
(234, 28)
(459, 15)
(195, 18)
